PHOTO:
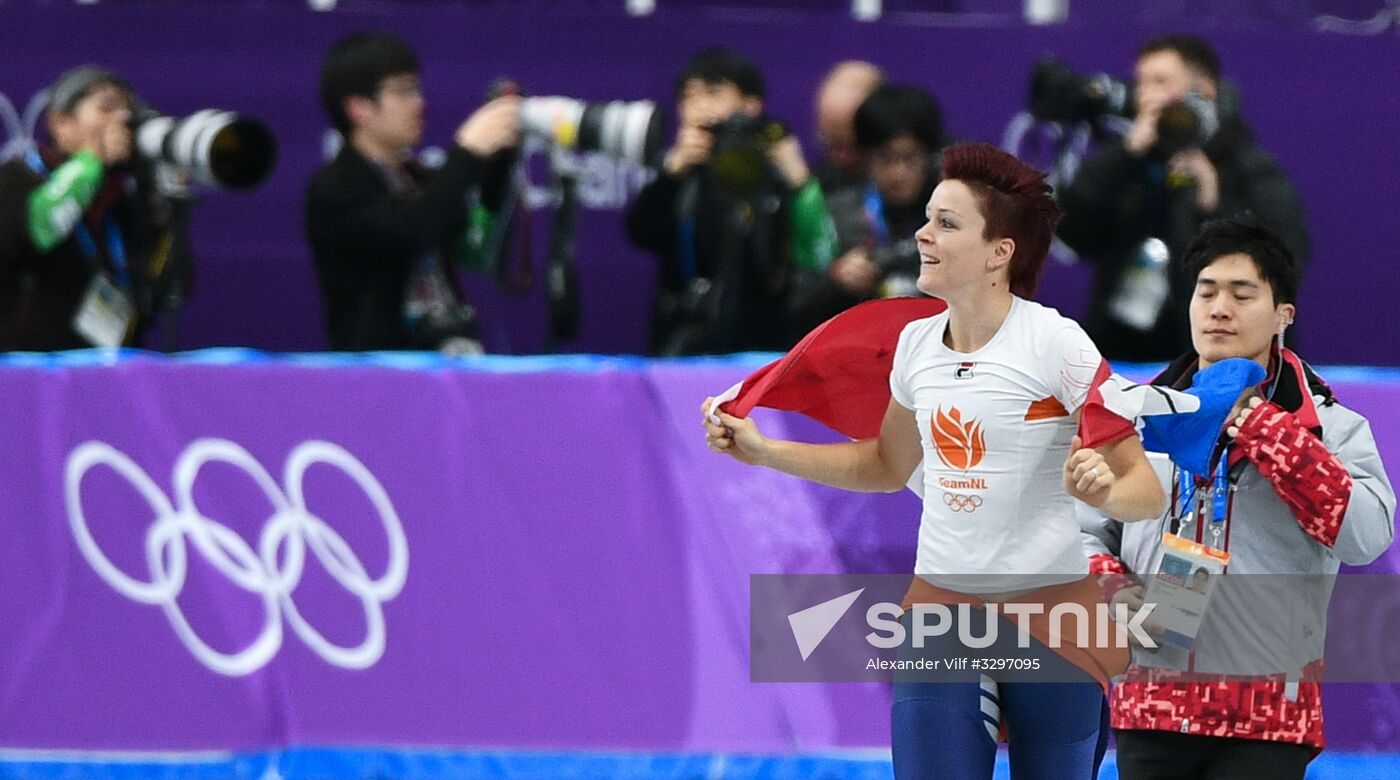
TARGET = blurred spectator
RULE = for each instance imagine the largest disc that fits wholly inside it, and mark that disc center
(75, 239)
(383, 228)
(734, 215)
(1133, 208)
(842, 90)
(899, 134)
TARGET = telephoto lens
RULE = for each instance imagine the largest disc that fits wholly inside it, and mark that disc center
(630, 130)
(1186, 124)
(217, 148)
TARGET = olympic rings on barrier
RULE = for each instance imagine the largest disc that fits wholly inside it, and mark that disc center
(271, 572)
(961, 503)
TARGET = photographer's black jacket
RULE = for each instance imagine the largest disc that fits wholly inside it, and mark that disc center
(1118, 200)
(41, 292)
(751, 289)
(366, 240)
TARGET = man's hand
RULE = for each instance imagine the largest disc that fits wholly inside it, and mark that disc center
(1195, 163)
(692, 148)
(1143, 134)
(1234, 429)
(854, 273)
(786, 156)
(734, 436)
(110, 141)
(1087, 475)
(491, 128)
(1131, 598)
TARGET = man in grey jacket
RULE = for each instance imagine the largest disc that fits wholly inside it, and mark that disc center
(1301, 491)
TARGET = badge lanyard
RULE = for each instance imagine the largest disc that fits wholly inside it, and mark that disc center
(1210, 505)
(687, 252)
(116, 249)
(875, 216)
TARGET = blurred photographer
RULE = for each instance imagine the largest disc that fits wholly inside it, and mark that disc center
(898, 131)
(382, 227)
(842, 91)
(1134, 206)
(74, 237)
(733, 215)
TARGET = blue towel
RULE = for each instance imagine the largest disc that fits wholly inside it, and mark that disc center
(1189, 439)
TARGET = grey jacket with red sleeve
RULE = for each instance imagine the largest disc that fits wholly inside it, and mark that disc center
(1308, 493)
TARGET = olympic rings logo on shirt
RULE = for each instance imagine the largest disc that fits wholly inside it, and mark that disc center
(272, 571)
(960, 503)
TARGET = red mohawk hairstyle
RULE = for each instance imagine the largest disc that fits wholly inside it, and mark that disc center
(1015, 201)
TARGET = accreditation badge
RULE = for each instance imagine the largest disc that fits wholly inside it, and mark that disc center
(1185, 574)
(106, 314)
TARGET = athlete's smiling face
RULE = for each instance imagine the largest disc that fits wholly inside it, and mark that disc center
(955, 254)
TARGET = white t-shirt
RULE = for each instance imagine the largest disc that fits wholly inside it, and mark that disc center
(996, 426)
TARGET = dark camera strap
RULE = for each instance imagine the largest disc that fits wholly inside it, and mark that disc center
(686, 207)
(561, 274)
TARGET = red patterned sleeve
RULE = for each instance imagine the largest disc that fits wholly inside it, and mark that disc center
(1113, 575)
(1305, 474)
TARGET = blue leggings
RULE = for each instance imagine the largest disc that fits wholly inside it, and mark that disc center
(948, 728)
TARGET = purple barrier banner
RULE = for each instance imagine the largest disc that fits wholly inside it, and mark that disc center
(1316, 100)
(249, 556)
(502, 553)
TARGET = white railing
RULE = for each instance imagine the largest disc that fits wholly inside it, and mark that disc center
(1040, 12)
(1035, 11)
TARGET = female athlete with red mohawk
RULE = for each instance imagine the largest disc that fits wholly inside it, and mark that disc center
(987, 395)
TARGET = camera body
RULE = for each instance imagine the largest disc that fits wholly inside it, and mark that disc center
(899, 257)
(1058, 94)
(739, 159)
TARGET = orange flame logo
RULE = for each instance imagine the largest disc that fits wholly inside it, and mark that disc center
(961, 445)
